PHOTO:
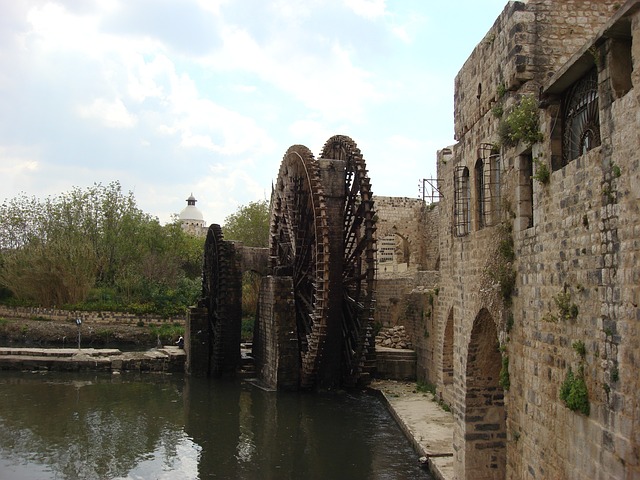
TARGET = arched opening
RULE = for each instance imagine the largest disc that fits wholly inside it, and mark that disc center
(447, 351)
(447, 361)
(484, 418)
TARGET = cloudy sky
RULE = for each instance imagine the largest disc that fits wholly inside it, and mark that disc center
(171, 97)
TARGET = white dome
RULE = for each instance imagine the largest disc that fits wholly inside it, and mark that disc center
(191, 212)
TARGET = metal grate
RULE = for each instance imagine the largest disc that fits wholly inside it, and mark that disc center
(581, 122)
(462, 201)
(489, 195)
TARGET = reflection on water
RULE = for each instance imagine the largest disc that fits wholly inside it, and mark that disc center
(80, 426)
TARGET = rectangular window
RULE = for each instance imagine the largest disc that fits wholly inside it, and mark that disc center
(462, 201)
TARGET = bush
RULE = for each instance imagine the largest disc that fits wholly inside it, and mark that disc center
(521, 124)
(574, 393)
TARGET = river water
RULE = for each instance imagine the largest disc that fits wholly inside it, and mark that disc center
(131, 426)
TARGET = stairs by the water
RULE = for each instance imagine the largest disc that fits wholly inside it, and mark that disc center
(395, 363)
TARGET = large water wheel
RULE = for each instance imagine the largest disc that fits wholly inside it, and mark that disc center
(358, 258)
(322, 235)
(221, 295)
(299, 248)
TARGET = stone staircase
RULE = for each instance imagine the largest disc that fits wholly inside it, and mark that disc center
(395, 363)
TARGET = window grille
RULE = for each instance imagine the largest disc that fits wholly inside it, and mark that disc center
(480, 192)
(581, 123)
(462, 201)
(489, 185)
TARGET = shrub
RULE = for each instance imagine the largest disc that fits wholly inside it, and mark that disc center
(542, 175)
(521, 124)
(574, 393)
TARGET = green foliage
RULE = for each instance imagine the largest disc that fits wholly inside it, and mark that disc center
(566, 309)
(615, 170)
(615, 374)
(425, 387)
(168, 333)
(574, 393)
(510, 322)
(249, 225)
(580, 348)
(501, 90)
(250, 292)
(521, 123)
(504, 380)
(497, 110)
(542, 174)
(94, 249)
(502, 271)
(246, 331)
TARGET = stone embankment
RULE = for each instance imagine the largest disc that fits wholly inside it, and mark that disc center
(426, 425)
(160, 360)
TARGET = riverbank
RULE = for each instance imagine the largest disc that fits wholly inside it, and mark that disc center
(160, 360)
(47, 333)
(427, 426)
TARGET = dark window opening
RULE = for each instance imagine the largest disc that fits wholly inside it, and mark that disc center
(581, 119)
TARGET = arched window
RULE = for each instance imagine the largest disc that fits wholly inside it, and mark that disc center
(581, 119)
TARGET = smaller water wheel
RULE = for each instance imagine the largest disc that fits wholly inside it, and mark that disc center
(221, 295)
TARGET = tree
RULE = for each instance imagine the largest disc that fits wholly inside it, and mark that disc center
(96, 244)
(249, 224)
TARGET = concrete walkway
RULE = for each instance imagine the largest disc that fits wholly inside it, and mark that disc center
(428, 427)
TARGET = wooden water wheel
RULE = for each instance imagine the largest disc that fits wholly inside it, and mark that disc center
(221, 295)
(300, 238)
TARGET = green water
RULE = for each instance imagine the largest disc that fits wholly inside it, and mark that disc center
(89, 426)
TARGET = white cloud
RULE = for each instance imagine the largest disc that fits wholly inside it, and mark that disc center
(112, 114)
(369, 9)
(327, 81)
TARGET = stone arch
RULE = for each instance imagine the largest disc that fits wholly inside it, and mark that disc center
(403, 250)
(484, 416)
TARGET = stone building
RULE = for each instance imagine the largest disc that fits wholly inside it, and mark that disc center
(531, 333)
(191, 218)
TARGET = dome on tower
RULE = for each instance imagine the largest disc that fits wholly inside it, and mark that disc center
(191, 212)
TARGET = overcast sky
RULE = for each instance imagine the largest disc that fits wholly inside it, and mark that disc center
(171, 97)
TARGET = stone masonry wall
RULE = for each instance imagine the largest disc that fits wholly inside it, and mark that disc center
(275, 342)
(404, 218)
(102, 317)
(580, 250)
(525, 45)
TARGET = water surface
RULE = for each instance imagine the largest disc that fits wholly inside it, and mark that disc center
(129, 426)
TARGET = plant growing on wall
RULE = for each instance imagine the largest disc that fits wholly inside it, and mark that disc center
(542, 173)
(574, 393)
(521, 123)
(501, 270)
(504, 380)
